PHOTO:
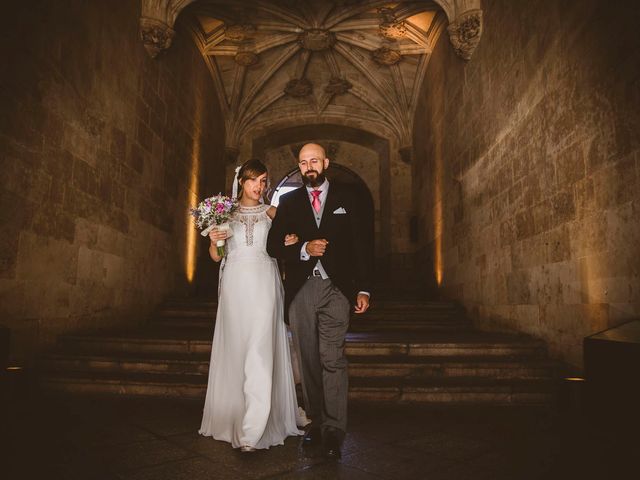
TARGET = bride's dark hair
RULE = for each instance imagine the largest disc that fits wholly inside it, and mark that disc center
(252, 168)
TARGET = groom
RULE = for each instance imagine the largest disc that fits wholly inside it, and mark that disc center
(327, 272)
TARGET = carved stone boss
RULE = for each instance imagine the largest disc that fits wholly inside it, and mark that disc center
(156, 35)
(465, 33)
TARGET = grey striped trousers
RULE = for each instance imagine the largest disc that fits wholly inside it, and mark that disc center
(319, 318)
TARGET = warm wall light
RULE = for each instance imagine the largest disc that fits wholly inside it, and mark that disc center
(191, 244)
(192, 194)
(437, 216)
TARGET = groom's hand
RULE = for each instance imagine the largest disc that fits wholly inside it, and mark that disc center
(362, 303)
(291, 239)
(316, 248)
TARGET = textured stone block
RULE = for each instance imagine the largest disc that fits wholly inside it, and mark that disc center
(144, 136)
(565, 129)
(72, 145)
(85, 177)
(525, 226)
(563, 208)
(9, 241)
(570, 165)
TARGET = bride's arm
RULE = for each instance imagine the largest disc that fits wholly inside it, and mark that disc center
(213, 252)
(215, 235)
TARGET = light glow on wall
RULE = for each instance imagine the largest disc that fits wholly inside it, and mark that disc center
(438, 263)
(192, 193)
(191, 244)
(437, 254)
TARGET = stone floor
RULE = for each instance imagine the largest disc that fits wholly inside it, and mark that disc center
(106, 438)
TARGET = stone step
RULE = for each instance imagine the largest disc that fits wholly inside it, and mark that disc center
(198, 341)
(459, 391)
(359, 366)
(391, 390)
(408, 306)
(373, 315)
(356, 325)
(378, 300)
(451, 367)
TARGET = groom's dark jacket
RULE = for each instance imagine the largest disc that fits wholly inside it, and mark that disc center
(349, 254)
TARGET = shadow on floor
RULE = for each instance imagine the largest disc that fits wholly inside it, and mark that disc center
(115, 438)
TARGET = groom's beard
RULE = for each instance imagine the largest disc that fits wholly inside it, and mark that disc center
(315, 181)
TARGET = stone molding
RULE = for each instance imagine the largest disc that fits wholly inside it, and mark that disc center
(298, 88)
(268, 42)
(157, 21)
(246, 59)
(155, 35)
(239, 32)
(465, 25)
(465, 33)
(390, 27)
(386, 56)
(316, 39)
(338, 86)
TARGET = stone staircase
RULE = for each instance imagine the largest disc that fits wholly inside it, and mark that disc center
(406, 351)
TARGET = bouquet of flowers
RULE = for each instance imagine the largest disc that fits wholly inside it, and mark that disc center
(214, 212)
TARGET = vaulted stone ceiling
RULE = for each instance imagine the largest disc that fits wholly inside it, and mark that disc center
(312, 61)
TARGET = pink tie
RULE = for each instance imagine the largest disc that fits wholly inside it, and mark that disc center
(315, 203)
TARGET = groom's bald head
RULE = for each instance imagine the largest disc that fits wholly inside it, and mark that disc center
(312, 161)
(312, 149)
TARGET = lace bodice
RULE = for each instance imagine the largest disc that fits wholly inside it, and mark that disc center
(250, 227)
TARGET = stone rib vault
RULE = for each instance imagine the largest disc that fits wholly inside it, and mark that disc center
(359, 63)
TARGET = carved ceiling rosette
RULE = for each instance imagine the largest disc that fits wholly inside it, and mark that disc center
(155, 35)
(246, 59)
(316, 39)
(465, 33)
(298, 88)
(386, 56)
(338, 86)
(390, 27)
(393, 31)
(239, 32)
(251, 46)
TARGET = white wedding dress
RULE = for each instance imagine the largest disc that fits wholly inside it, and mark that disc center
(251, 396)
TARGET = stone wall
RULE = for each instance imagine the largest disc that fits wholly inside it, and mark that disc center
(103, 149)
(526, 179)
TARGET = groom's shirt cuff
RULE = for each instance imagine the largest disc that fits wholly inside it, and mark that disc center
(304, 256)
(364, 293)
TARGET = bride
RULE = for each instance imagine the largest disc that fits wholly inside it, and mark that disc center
(251, 401)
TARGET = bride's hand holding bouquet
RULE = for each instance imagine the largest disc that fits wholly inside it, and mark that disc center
(212, 217)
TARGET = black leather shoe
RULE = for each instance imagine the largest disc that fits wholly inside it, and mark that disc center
(331, 446)
(312, 437)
